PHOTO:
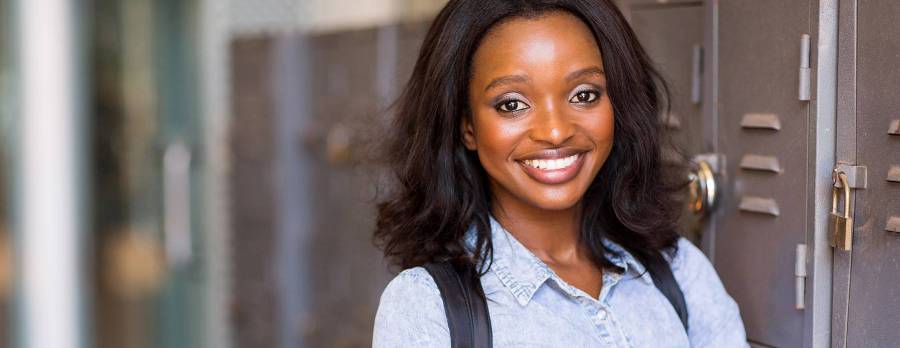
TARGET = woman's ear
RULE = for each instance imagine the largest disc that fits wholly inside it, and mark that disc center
(468, 133)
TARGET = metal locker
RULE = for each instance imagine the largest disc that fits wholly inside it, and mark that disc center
(355, 77)
(343, 104)
(679, 59)
(866, 296)
(764, 136)
(252, 207)
(766, 128)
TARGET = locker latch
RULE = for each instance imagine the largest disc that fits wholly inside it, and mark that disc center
(856, 175)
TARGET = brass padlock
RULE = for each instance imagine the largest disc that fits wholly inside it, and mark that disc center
(842, 236)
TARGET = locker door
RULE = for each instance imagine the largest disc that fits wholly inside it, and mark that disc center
(355, 75)
(672, 35)
(763, 134)
(868, 315)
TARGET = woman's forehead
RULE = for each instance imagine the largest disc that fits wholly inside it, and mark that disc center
(557, 41)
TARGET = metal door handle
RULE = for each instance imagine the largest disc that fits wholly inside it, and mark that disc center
(702, 188)
(177, 204)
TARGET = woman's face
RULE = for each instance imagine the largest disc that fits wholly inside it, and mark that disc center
(541, 121)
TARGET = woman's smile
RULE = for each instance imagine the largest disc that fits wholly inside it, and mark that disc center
(553, 166)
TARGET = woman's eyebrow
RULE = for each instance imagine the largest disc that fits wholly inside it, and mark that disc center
(594, 70)
(510, 79)
(506, 80)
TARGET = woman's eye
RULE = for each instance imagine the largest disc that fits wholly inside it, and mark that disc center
(511, 105)
(584, 97)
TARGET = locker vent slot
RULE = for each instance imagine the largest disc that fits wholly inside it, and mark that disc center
(761, 121)
(759, 205)
(761, 163)
(894, 129)
(671, 121)
(894, 174)
(893, 224)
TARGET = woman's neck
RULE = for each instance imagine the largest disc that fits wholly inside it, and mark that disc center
(552, 235)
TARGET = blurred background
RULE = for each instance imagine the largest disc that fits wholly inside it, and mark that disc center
(193, 173)
(187, 173)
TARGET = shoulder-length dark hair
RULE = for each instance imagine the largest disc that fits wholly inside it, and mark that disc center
(441, 189)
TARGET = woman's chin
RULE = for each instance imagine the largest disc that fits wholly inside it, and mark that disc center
(551, 203)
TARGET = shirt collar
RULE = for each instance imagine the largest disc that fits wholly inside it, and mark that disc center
(523, 273)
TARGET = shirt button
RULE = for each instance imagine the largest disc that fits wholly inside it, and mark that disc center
(602, 314)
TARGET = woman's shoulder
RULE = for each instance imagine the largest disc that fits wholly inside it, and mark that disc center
(411, 312)
(415, 277)
(714, 317)
(409, 290)
(693, 270)
(688, 257)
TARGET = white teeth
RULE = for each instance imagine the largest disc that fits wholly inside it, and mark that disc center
(551, 164)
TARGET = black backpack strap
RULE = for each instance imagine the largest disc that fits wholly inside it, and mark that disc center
(661, 272)
(464, 304)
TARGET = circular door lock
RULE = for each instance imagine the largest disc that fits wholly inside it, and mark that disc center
(702, 189)
(339, 144)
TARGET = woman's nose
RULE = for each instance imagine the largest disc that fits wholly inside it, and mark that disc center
(551, 125)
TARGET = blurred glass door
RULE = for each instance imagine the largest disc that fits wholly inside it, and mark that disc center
(5, 117)
(147, 177)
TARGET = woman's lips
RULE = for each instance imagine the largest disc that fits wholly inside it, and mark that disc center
(553, 171)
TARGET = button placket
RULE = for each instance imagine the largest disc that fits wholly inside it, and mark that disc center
(611, 325)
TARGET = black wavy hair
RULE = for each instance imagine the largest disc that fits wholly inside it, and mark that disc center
(441, 190)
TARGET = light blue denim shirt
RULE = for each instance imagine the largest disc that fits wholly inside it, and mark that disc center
(530, 306)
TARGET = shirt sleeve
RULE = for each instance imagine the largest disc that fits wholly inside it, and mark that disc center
(714, 319)
(411, 313)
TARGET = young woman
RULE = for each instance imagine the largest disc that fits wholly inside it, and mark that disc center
(528, 144)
